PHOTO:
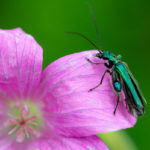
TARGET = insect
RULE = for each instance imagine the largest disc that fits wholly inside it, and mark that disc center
(122, 79)
(121, 76)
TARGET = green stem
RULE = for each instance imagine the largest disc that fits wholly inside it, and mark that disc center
(118, 141)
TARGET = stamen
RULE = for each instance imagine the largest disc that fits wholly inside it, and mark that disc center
(26, 109)
(22, 124)
(33, 123)
(13, 130)
(31, 118)
(11, 116)
(26, 133)
(20, 131)
(20, 136)
(32, 131)
(10, 123)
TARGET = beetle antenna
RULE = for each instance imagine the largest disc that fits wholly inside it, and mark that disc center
(94, 20)
(83, 36)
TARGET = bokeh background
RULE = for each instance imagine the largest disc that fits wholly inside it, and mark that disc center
(124, 27)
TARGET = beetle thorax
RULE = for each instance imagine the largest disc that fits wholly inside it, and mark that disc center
(111, 57)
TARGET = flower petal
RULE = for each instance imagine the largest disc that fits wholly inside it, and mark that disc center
(61, 143)
(73, 110)
(20, 63)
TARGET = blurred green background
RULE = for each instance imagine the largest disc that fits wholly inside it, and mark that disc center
(124, 27)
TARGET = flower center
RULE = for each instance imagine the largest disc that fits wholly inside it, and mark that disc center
(24, 121)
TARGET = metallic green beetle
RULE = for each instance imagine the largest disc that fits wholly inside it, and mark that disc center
(122, 79)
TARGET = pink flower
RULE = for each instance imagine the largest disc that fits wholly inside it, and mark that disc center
(52, 109)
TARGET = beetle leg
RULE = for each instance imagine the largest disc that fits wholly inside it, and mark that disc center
(93, 62)
(106, 71)
(108, 65)
(118, 100)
